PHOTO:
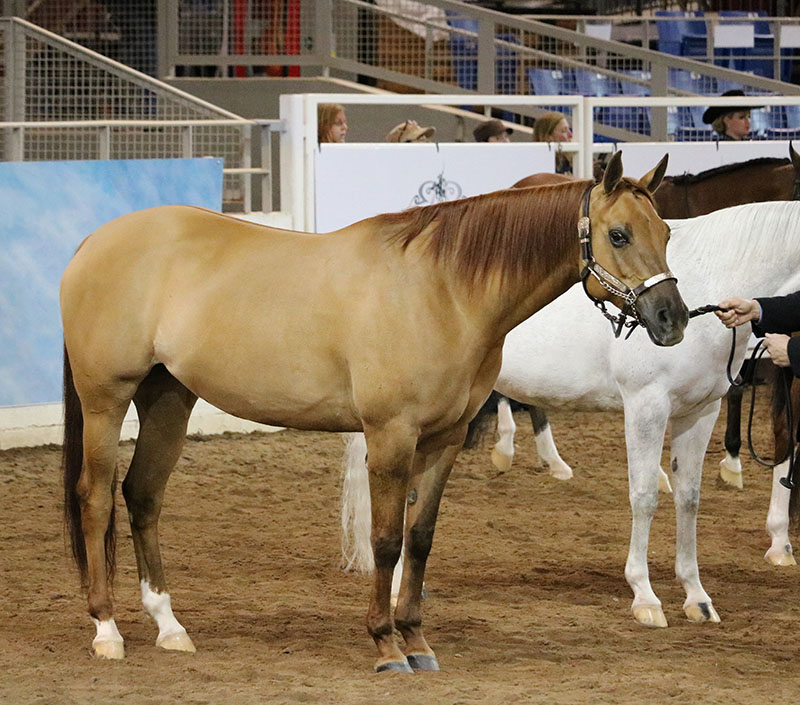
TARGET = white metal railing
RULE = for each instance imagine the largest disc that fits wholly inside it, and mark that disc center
(138, 139)
(299, 140)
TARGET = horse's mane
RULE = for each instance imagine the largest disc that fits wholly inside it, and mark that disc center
(689, 179)
(513, 233)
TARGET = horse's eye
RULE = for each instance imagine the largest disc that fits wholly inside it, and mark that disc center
(618, 238)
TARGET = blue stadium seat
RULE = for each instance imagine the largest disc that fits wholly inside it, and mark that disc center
(464, 50)
(551, 82)
(682, 37)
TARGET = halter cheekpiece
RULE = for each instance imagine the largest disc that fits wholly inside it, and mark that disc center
(608, 281)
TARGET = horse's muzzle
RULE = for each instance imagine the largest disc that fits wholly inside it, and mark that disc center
(664, 312)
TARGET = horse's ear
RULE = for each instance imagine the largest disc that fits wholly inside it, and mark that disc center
(795, 157)
(652, 179)
(613, 173)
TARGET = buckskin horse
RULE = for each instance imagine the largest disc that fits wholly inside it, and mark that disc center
(393, 325)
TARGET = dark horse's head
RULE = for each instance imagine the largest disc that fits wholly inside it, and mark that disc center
(628, 242)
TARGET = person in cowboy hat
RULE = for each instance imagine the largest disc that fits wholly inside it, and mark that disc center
(730, 122)
(492, 131)
(410, 131)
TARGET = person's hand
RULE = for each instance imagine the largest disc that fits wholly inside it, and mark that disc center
(777, 346)
(738, 311)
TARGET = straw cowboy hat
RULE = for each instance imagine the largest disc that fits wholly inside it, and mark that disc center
(410, 131)
(715, 111)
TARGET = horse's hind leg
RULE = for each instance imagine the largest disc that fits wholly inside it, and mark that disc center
(425, 489)
(164, 406)
(546, 445)
(730, 467)
(96, 491)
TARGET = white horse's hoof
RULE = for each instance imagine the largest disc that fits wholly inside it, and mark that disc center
(561, 472)
(501, 461)
(109, 649)
(780, 557)
(649, 615)
(730, 472)
(177, 641)
(663, 482)
(702, 612)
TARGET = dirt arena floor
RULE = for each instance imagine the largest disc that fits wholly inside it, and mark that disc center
(528, 603)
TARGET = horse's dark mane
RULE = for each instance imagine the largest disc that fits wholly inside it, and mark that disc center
(508, 232)
(689, 179)
(512, 233)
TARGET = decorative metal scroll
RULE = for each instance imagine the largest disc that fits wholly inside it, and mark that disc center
(437, 191)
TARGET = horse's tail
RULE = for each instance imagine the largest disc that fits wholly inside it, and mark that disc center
(356, 507)
(72, 462)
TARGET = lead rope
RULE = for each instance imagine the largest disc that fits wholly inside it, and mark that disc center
(758, 352)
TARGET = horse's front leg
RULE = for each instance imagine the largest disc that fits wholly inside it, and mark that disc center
(645, 424)
(690, 437)
(425, 489)
(390, 452)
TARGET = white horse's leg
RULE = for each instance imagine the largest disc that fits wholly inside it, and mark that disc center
(780, 552)
(645, 424)
(690, 437)
(546, 446)
(503, 451)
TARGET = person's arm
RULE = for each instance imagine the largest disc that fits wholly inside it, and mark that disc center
(780, 314)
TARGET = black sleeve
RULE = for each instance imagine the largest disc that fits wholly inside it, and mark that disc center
(794, 355)
(780, 314)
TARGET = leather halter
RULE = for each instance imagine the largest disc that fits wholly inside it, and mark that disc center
(608, 281)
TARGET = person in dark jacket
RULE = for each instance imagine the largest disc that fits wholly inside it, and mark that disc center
(730, 122)
(775, 318)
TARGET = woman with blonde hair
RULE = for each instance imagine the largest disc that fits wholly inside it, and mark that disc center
(331, 123)
(554, 127)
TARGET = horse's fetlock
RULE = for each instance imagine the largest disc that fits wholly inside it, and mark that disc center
(380, 631)
(407, 624)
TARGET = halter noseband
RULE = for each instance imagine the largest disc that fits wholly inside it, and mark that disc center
(608, 281)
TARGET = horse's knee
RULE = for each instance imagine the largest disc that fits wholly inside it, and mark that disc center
(420, 540)
(386, 550)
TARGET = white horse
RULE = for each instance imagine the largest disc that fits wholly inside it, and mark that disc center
(567, 357)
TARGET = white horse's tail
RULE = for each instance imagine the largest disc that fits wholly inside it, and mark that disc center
(356, 507)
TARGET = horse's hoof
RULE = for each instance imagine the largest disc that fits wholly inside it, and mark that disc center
(423, 662)
(663, 482)
(702, 612)
(780, 558)
(394, 666)
(177, 641)
(649, 615)
(729, 473)
(109, 649)
(561, 472)
(501, 461)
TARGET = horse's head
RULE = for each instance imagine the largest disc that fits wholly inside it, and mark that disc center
(627, 243)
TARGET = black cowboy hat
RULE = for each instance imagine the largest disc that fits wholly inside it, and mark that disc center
(715, 111)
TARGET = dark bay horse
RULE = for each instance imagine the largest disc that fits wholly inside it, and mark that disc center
(684, 196)
(393, 325)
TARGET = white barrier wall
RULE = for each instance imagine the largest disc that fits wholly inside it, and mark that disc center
(356, 181)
